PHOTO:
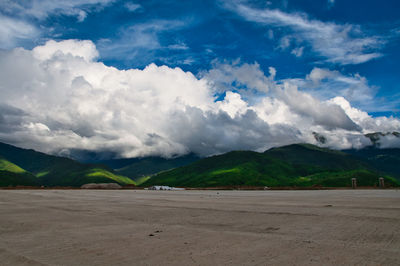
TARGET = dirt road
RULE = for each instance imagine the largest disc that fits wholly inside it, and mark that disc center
(128, 227)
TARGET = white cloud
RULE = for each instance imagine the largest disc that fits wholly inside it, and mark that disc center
(389, 141)
(298, 51)
(272, 72)
(224, 76)
(338, 43)
(140, 39)
(13, 30)
(81, 15)
(85, 49)
(56, 97)
(233, 104)
(16, 18)
(355, 88)
(284, 43)
(322, 113)
(319, 74)
(41, 9)
(325, 84)
(178, 46)
(133, 7)
(368, 123)
(270, 34)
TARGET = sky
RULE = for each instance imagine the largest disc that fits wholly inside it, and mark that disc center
(167, 78)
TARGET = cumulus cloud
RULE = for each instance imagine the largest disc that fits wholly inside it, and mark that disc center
(324, 114)
(57, 98)
(325, 84)
(322, 83)
(344, 44)
(244, 77)
(84, 49)
(368, 123)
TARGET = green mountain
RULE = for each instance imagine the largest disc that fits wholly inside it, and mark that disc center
(293, 165)
(315, 157)
(13, 175)
(384, 160)
(51, 170)
(142, 168)
(138, 169)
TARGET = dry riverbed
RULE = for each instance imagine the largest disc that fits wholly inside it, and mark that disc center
(136, 227)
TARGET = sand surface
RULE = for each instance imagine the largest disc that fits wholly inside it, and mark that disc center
(128, 227)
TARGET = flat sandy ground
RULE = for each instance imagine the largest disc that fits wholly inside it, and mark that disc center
(128, 227)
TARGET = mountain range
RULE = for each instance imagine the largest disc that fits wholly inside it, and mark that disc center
(30, 168)
(300, 165)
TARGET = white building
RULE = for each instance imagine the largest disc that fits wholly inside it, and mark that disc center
(164, 188)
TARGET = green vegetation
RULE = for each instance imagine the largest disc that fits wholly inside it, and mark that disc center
(343, 179)
(384, 160)
(314, 156)
(13, 175)
(10, 167)
(17, 179)
(27, 167)
(141, 180)
(98, 172)
(43, 173)
(137, 168)
(299, 165)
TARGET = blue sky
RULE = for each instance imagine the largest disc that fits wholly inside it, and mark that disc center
(194, 34)
(326, 48)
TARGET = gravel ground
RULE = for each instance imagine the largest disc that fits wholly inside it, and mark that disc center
(136, 227)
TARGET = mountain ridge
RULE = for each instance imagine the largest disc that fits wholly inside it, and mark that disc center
(292, 165)
(58, 171)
